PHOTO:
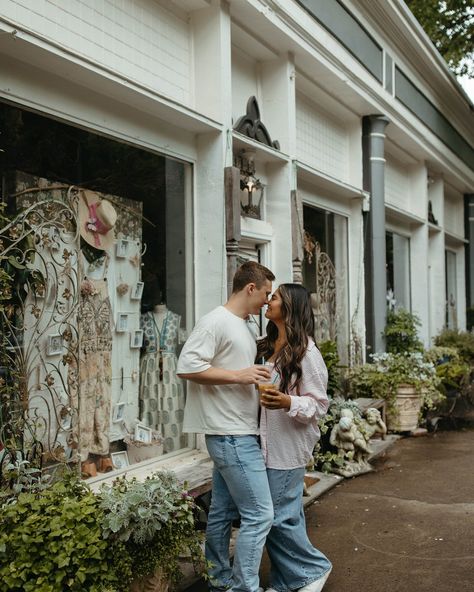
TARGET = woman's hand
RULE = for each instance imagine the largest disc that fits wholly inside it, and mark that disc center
(274, 399)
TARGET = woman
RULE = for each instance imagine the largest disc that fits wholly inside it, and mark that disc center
(289, 431)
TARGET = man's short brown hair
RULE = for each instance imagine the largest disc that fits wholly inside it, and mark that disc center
(251, 272)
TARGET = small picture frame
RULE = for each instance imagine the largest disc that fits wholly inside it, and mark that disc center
(143, 434)
(122, 322)
(54, 346)
(137, 291)
(122, 248)
(120, 459)
(136, 339)
(118, 412)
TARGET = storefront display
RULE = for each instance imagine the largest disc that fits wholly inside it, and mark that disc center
(98, 350)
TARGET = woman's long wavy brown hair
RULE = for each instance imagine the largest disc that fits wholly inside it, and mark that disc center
(299, 324)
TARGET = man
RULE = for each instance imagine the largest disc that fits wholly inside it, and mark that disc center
(222, 403)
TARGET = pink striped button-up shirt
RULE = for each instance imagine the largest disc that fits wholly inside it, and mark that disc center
(288, 437)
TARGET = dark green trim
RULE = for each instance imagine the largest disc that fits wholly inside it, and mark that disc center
(388, 73)
(407, 93)
(336, 19)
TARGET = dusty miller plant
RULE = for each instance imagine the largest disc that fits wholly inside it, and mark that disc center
(154, 521)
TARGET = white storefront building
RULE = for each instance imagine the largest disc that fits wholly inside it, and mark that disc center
(358, 138)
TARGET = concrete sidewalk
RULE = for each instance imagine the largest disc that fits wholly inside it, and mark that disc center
(409, 526)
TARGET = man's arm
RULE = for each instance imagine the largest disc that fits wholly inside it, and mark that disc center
(252, 375)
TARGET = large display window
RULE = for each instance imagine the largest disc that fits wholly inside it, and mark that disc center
(98, 251)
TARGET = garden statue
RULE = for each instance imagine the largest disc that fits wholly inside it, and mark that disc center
(372, 424)
(352, 445)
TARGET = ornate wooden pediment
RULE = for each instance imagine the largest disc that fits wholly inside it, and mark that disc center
(251, 126)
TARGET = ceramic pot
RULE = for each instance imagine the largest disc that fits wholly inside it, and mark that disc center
(404, 416)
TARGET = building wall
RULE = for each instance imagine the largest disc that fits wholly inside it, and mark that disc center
(148, 42)
(321, 141)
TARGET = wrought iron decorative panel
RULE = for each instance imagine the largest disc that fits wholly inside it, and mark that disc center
(39, 252)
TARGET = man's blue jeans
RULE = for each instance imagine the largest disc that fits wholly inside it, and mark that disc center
(294, 560)
(239, 489)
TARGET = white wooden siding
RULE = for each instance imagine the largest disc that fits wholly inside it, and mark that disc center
(146, 41)
(320, 141)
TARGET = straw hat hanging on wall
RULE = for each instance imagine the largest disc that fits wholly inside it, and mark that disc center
(97, 218)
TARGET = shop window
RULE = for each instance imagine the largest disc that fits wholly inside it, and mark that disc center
(398, 271)
(325, 274)
(451, 290)
(104, 224)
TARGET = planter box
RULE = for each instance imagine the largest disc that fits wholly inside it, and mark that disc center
(138, 451)
(404, 417)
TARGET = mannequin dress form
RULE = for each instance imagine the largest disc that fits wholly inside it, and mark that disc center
(161, 391)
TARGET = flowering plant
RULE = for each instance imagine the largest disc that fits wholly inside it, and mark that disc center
(388, 371)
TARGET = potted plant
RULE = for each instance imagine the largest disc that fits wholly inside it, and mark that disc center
(406, 381)
(152, 522)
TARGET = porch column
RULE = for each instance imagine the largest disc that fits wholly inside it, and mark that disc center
(469, 251)
(373, 139)
(232, 218)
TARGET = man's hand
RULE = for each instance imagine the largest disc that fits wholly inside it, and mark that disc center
(252, 375)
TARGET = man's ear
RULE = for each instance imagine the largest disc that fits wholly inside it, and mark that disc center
(251, 287)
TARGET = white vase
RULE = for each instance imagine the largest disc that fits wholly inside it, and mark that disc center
(404, 416)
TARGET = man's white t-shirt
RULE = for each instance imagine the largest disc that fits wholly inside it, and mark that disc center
(220, 339)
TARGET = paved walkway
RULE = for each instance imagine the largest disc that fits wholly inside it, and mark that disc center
(407, 527)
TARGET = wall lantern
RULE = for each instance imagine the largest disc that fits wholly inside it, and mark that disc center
(251, 188)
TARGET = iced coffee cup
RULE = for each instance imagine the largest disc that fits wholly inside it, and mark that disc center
(264, 386)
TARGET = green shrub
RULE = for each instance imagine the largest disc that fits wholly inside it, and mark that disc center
(51, 541)
(328, 350)
(401, 332)
(460, 340)
(451, 369)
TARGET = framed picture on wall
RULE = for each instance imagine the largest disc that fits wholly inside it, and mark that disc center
(120, 459)
(122, 322)
(118, 412)
(54, 346)
(122, 248)
(136, 339)
(137, 291)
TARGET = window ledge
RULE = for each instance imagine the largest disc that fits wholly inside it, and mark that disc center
(192, 466)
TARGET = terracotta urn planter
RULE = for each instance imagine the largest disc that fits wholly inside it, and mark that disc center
(404, 415)
(156, 582)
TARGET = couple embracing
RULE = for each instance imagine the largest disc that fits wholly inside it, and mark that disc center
(259, 480)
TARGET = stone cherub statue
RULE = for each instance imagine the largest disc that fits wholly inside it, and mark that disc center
(372, 424)
(352, 445)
